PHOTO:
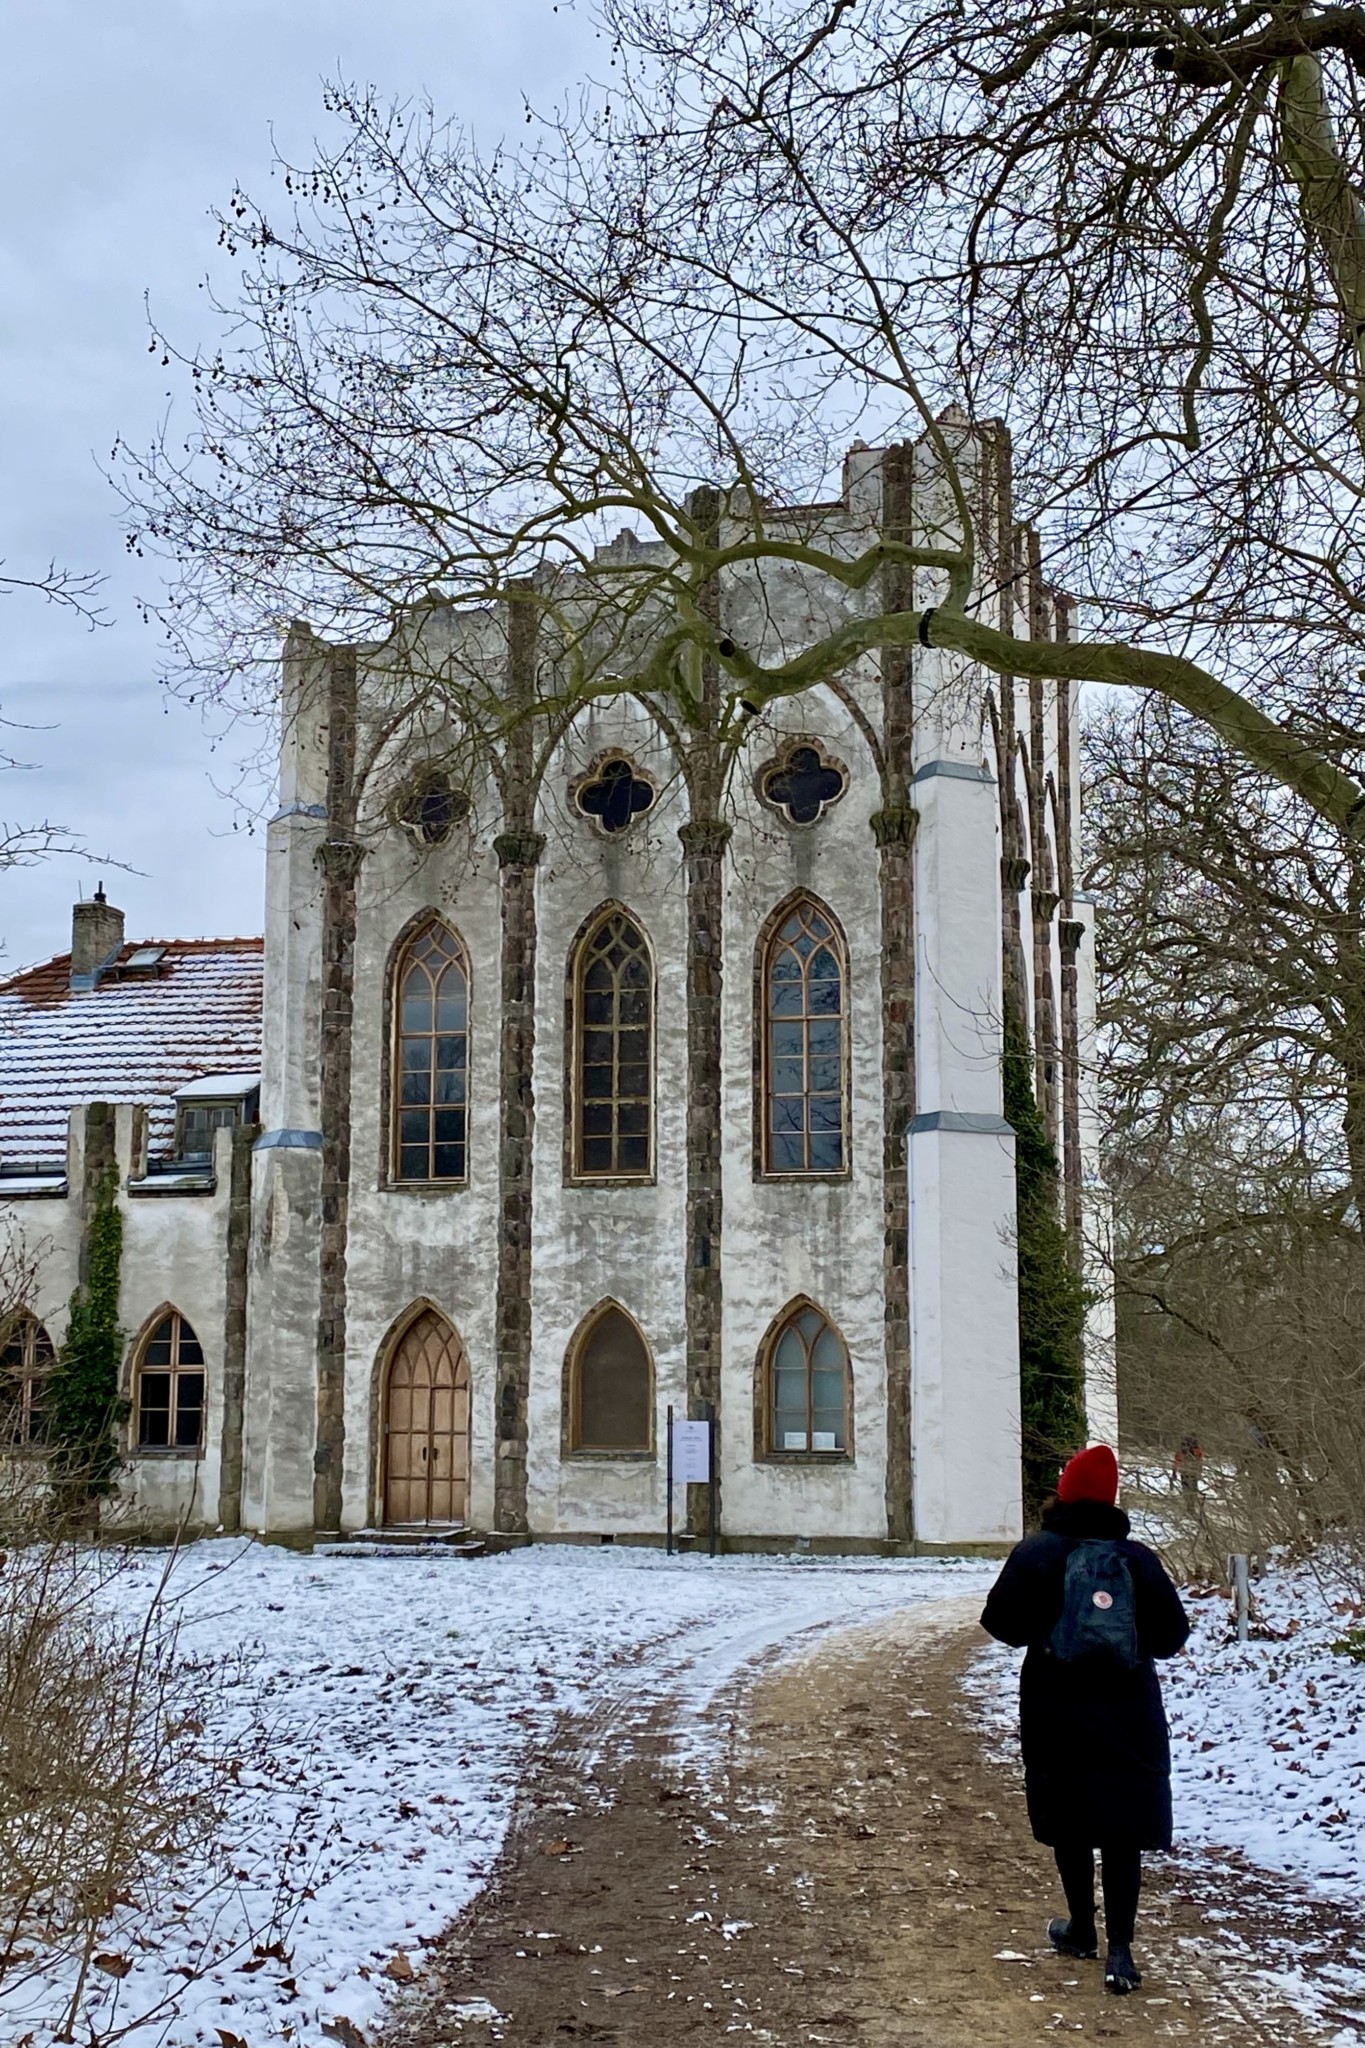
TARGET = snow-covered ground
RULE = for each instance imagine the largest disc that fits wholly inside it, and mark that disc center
(403, 1699)
(1267, 1737)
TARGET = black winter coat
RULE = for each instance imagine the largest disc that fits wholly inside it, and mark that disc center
(1097, 1764)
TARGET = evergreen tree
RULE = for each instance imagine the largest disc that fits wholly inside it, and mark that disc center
(82, 1403)
(1052, 1295)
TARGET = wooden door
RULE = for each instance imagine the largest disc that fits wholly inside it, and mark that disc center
(426, 1426)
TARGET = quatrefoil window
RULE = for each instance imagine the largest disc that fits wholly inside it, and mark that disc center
(803, 783)
(613, 795)
(431, 808)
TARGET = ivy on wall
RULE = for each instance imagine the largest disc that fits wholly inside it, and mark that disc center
(83, 1403)
(1052, 1296)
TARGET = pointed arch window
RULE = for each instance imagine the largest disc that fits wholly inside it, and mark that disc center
(431, 1059)
(806, 1386)
(27, 1356)
(805, 1045)
(613, 1053)
(170, 1388)
(610, 1392)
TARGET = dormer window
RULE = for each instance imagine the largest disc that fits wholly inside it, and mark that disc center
(220, 1102)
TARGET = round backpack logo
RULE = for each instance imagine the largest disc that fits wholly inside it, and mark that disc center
(1103, 1600)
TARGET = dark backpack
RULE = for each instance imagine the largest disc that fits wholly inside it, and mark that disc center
(1098, 1623)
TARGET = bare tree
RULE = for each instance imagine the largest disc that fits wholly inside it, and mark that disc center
(452, 375)
(1232, 982)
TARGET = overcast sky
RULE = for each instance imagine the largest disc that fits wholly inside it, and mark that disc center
(122, 122)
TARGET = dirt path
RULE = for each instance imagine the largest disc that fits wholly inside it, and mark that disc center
(852, 1871)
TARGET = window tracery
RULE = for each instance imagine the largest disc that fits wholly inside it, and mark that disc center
(804, 1053)
(170, 1388)
(613, 1004)
(806, 1386)
(613, 794)
(27, 1356)
(431, 1059)
(803, 782)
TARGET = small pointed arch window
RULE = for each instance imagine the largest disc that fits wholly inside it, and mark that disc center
(27, 1356)
(612, 994)
(610, 1386)
(805, 1386)
(803, 996)
(430, 1110)
(169, 1397)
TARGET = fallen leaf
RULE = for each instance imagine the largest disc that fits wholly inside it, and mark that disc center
(399, 1968)
(344, 2030)
(114, 1966)
(229, 2040)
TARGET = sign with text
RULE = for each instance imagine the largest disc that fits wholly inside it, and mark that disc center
(691, 1453)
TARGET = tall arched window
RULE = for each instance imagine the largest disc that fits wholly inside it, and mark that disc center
(610, 1385)
(805, 1370)
(27, 1356)
(170, 1388)
(431, 1059)
(613, 1002)
(804, 1051)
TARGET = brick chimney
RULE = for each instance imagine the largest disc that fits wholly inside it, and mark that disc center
(96, 930)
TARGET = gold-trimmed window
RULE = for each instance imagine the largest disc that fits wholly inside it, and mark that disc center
(170, 1388)
(430, 1114)
(805, 1045)
(611, 1386)
(613, 1108)
(27, 1356)
(806, 1386)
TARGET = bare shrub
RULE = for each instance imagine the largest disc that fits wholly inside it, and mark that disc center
(1241, 1325)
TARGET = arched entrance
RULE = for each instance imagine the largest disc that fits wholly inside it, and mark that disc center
(426, 1426)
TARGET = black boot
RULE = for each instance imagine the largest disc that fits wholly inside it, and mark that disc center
(1070, 1940)
(1121, 1973)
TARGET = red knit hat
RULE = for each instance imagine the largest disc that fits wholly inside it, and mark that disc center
(1091, 1475)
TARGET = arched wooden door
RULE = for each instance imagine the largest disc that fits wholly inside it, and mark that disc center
(426, 1426)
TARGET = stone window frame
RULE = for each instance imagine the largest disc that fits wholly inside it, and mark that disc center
(771, 926)
(569, 1447)
(591, 773)
(574, 1176)
(787, 746)
(764, 1451)
(22, 1425)
(168, 1312)
(390, 1070)
(421, 782)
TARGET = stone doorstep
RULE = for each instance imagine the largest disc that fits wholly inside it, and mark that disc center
(457, 1541)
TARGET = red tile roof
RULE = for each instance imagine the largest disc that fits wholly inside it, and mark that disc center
(133, 1040)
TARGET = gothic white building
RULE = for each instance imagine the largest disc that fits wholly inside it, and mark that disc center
(573, 1081)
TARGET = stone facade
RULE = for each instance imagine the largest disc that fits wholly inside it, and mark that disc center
(311, 1255)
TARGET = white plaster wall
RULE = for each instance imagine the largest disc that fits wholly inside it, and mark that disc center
(174, 1254)
(407, 1246)
(593, 1242)
(784, 1238)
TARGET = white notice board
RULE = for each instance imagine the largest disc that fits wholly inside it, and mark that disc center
(691, 1453)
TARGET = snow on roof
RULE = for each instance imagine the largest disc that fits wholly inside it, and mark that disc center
(218, 1087)
(136, 1039)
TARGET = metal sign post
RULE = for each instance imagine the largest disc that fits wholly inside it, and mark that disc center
(668, 1542)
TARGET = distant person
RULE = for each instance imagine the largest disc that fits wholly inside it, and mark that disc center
(1189, 1464)
(1094, 1609)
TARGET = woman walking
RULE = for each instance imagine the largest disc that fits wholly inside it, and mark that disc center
(1094, 1608)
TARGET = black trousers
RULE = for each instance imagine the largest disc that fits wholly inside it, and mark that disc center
(1121, 1871)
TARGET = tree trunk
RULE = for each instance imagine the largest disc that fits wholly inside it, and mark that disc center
(518, 848)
